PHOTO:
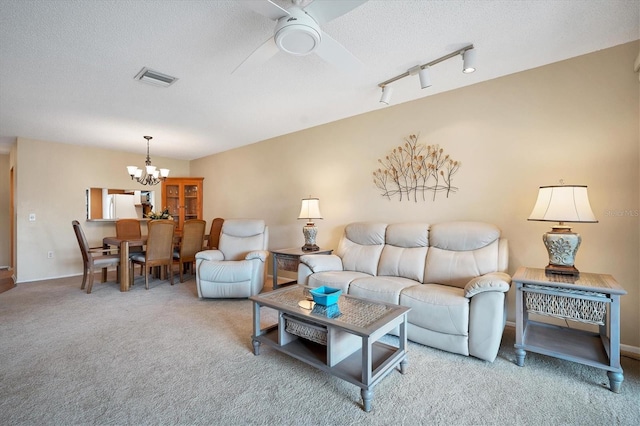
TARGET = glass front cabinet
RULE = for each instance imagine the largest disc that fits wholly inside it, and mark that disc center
(183, 198)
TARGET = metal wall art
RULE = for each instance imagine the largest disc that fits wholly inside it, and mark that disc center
(412, 170)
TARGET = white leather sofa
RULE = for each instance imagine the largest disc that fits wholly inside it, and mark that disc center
(237, 268)
(452, 275)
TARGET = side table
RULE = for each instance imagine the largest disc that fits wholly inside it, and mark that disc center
(288, 260)
(584, 298)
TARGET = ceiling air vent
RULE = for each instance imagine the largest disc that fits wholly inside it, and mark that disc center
(154, 77)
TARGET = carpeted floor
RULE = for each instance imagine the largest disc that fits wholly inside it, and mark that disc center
(163, 356)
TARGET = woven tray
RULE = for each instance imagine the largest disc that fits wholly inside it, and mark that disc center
(565, 307)
(313, 332)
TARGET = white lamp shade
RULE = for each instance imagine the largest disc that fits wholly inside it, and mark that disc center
(310, 209)
(164, 172)
(567, 203)
(132, 170)
(138, 173)
(151, 169)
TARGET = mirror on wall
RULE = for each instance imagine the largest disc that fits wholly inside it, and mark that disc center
(112, 204)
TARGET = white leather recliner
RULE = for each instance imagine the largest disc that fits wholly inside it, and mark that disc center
(237, 268)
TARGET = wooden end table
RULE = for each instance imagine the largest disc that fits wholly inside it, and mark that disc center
(288, 260)
(586, 298)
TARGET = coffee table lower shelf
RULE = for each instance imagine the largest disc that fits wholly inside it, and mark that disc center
(383, 358)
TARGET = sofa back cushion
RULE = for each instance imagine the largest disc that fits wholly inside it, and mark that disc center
(405, 252)
(361, 245)
(461, 251)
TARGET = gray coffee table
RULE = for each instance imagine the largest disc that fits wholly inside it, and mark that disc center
(342, 340)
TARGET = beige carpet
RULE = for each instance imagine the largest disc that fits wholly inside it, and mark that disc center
(163, 356)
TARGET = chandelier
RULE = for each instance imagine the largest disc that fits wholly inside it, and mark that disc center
(150, 174)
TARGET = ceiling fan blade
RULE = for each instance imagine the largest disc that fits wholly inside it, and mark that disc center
(266, 8)
(337, 55)
(327, 10)
(258, 57)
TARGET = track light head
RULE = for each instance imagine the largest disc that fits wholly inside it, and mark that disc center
(469, 61)
(425, 78)
(386, 95)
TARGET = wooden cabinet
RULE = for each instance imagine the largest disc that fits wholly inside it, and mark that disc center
(183, 198)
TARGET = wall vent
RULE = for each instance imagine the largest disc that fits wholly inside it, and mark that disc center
(155, 78)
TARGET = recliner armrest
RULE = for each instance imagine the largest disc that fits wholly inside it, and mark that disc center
(322, 262)
(210, 255)
(257, 254)
(495, 281)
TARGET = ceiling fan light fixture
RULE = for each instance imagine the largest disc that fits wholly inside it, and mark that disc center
(297, 34)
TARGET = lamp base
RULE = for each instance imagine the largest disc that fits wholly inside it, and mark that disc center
(561, 270)
(310, 232)
(562, 246)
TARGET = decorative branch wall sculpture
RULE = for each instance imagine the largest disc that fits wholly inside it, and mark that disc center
(412, 170)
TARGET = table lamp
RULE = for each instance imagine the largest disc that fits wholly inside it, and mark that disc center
(310, 210)
(563, 203)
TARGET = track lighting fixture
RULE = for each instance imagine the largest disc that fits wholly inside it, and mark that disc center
(386, 95)
(468, 57)
(425, 78)
(469, 61)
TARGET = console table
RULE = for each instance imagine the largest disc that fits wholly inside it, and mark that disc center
(586, 298)
(288, 260)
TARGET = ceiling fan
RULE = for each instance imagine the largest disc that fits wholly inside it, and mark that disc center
(298, 32)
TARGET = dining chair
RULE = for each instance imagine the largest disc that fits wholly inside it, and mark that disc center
(214, 233)
(130, 229)
(93, 257)
(190, 244)
(159, 250)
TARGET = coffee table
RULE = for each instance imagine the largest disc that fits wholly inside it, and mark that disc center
(342, 340)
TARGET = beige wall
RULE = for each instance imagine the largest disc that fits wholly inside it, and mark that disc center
(5, 213)
(51, 182)
(576, 120)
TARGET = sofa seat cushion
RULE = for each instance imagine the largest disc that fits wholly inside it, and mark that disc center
(382, 289)
(439, 308)
(335, 279)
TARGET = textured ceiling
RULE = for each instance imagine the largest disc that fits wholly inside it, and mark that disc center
(67, 67)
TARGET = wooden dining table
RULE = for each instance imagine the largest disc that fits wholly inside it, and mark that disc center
(124, 244)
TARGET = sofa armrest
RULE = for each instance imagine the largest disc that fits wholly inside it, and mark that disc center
(495, 281)
(210, 255)
(322, 262)
(257, 254)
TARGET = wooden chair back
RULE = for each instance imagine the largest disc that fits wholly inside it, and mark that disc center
(192, 238)
(128, 228)
(160, 242)
(82, 241)
(214, 233)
